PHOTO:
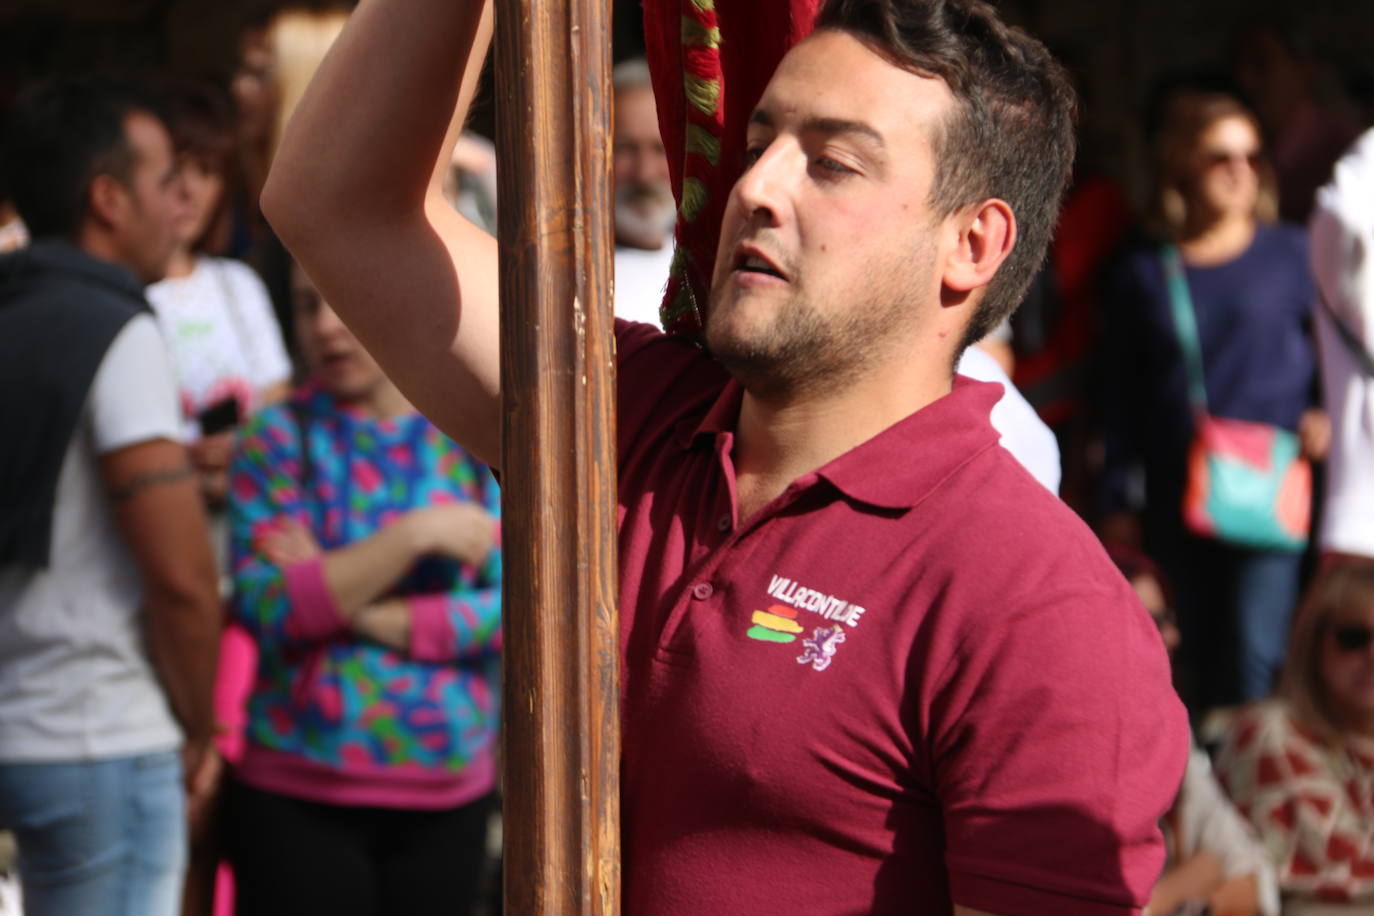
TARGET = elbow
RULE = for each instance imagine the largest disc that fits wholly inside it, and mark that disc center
(295, 202)
(182, 590)
(181, 597)
(279, 206)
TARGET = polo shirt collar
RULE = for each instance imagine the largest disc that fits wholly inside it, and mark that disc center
(903, 464)
(722, 417)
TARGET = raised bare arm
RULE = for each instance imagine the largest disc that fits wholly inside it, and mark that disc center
(354, 193)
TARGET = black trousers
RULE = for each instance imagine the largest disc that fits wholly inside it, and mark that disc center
(294, 857)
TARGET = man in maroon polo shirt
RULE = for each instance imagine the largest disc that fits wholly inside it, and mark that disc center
(870, 666)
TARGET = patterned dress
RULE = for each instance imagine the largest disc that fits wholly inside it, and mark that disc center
(1312, 803)
(331, 717)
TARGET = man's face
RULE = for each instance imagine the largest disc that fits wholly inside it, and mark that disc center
(644, 208)
(828, 244)
(146, 230)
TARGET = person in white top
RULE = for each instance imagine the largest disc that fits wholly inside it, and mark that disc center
(1342, 242)
(109, 612)
(1031, 442)
(225, 344)
(645, 212)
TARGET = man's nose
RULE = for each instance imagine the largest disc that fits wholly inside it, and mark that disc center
(181, 194)
(651, 166)
(762, 189)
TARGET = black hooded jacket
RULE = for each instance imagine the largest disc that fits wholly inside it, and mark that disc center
(60, 309)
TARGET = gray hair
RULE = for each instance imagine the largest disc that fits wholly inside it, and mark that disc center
(631, 74)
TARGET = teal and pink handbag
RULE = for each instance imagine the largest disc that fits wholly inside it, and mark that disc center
(1248, 483)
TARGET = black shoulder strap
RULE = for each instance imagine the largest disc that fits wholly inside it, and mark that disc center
(1352, 342)
(307, 474)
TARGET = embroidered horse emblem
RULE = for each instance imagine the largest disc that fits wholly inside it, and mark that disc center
(820, 648)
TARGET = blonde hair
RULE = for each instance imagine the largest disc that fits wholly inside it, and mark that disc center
(1341, 585)
(299, 38)
(1187, 116)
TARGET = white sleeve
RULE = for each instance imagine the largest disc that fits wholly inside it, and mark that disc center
(1342, 238)
(1023, 433)
(266, 356)
(133, 398)
(1338, 251)
(1209, 822)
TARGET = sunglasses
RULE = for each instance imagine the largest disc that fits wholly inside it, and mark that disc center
(1163, 617)
(1352, 637)
(1213, 158)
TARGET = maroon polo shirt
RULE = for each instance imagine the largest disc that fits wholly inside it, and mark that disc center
(913, 677)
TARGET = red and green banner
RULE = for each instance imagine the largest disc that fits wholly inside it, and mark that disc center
(710, 61)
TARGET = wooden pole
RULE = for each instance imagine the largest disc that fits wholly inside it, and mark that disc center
(562, 736)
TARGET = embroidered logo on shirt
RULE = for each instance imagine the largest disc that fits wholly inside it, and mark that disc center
(777, 624)
(820, 648)
(790, 591)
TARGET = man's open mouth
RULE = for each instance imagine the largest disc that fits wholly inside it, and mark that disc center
(752, 262)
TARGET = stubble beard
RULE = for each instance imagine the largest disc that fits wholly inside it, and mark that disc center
(803, 351)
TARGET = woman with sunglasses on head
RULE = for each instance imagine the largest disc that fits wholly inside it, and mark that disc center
(1211, 319)
(1301, 766)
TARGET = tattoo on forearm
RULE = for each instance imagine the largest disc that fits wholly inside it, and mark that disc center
(149, 479)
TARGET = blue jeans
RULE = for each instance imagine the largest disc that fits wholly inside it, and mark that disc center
(1234, 609)
(1267, 593)
(100, 837)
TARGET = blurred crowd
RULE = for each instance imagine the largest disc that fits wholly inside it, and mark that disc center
(250, 598)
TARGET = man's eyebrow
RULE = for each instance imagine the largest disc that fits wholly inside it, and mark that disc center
(825, 125)
(843, 126)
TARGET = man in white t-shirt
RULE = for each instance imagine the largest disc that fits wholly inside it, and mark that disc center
(108, 606)
(644, 208)
(1342, 243)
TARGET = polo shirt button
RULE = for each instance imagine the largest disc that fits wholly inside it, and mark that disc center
(724, 523)
(702, 590)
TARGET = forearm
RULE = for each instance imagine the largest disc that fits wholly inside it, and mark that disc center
(357, 574)
(183, 636)
(353, 197)
(1195, 878)
(438, 627)
(153, 494)
(369, 133)
(1238, 895)
(386, 622)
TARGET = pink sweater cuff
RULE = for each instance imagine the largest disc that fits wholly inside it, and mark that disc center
(432, 637)
(314, 614)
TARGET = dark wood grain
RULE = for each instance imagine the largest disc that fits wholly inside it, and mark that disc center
(562, 741)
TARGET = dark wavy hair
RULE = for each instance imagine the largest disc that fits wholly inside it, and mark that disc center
(61, 135)
(1011, 135)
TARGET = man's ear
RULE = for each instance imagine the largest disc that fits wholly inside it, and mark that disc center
(987, 232)
(108, 201)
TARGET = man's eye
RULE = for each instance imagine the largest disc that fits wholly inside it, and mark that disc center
(752, 154)
(826, 164)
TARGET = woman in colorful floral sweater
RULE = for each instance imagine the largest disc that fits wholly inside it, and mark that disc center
(366, 566)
